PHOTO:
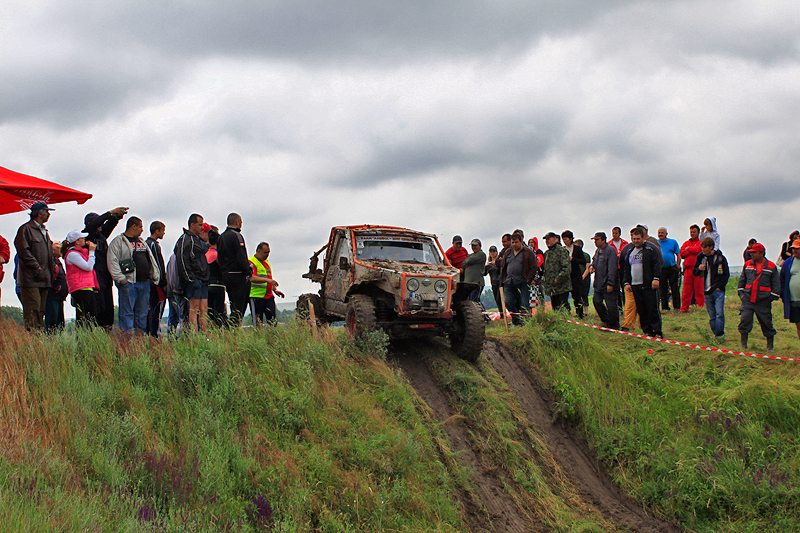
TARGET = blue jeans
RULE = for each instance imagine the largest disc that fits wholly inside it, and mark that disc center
(715, 304)
(134, 303)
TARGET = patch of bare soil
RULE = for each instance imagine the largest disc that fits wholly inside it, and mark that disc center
(572, 453)
(490, 507)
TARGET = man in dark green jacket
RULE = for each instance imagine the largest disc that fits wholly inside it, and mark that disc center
(557, 272)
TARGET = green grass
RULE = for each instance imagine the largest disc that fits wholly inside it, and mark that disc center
(241, 431)
(711, 440)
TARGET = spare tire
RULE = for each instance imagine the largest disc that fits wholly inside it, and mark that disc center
(303, 305)
(360, 315)
(469, 330)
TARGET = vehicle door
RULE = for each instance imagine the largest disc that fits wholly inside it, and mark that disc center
(337, 281)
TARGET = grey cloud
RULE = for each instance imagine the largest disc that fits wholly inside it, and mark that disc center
(324, 30)
(503, 145)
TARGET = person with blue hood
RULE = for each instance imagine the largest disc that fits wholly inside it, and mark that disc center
(710, 231)
(99, 229)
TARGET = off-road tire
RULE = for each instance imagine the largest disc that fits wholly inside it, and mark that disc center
(360, 315)
(302, 307)
(469, 330)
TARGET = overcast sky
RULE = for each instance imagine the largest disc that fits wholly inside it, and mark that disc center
(449, 117)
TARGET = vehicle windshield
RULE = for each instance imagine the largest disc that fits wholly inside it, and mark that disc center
(398, 250)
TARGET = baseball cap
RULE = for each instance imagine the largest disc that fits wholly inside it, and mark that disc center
(493, 248)
(476, 242)
(457, 238)
(758, 247)
(551, 234)
(74, 235)
(206, 226)
(600, 235)
(40, 206)
(795, 244)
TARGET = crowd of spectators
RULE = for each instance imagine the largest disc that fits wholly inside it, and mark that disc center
(203, 266)
(635, 279)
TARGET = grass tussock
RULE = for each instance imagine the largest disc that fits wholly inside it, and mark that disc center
(709, 440)
(274, 429)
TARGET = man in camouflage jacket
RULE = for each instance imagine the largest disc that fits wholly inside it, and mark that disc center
(557, 270)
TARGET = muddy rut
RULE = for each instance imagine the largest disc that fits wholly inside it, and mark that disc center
(490, 507)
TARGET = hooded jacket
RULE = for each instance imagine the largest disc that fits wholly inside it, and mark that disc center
(557, 270)
(190, 254)
(713, 234)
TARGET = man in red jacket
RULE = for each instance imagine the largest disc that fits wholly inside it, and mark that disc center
(5, 255)
(692, 285)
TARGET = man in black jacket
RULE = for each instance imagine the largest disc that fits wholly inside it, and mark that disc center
(158, 295)
(190, 252)
(640, 274)
(235, 267)
(712, 266)
(99, 228)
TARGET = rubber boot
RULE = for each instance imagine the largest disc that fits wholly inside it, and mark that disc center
(770, 343)
(743, 341)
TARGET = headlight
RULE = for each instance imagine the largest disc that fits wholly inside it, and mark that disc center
(440, 286)
(412, 284)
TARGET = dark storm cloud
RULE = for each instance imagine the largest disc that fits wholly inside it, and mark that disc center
(501, 145)
(323, 30)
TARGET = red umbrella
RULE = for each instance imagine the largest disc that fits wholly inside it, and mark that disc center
(18, 192)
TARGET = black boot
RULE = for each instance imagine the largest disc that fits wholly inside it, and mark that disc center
(770, 344)
(743, 341)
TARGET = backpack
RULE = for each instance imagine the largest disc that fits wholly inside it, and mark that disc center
(173, 280)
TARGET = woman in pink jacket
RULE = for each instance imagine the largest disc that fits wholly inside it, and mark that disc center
(81, 277)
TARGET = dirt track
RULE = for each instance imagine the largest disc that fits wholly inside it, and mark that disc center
(490, 507)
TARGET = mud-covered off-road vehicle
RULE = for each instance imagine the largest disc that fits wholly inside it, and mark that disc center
(397, 280)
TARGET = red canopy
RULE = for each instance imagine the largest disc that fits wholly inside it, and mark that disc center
(19, 191)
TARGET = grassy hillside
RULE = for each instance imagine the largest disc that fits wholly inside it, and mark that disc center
(712, 440)
(240, 431)
(279, 430)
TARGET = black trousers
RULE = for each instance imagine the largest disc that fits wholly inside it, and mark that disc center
(216, 305)
(646, 300)
(85, 304)
(605, 303)
(155, 312)
(105, 303)
(263, 311)
(238, 287)
(762, 311)
(560, 301)
(670, 283)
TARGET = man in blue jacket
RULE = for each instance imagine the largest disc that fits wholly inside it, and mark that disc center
(670, 271)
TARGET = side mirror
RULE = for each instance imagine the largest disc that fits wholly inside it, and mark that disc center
(344, 264)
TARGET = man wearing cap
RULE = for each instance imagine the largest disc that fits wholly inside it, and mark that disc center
(670, 272)
(557, 269)
(518, 270)
(36, 267)
(99, 229)
(473, 269)
(759, 285)
(606, 283)
(790, 286)
(457, 253)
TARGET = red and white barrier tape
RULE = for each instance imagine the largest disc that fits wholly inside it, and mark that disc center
(732, 352)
